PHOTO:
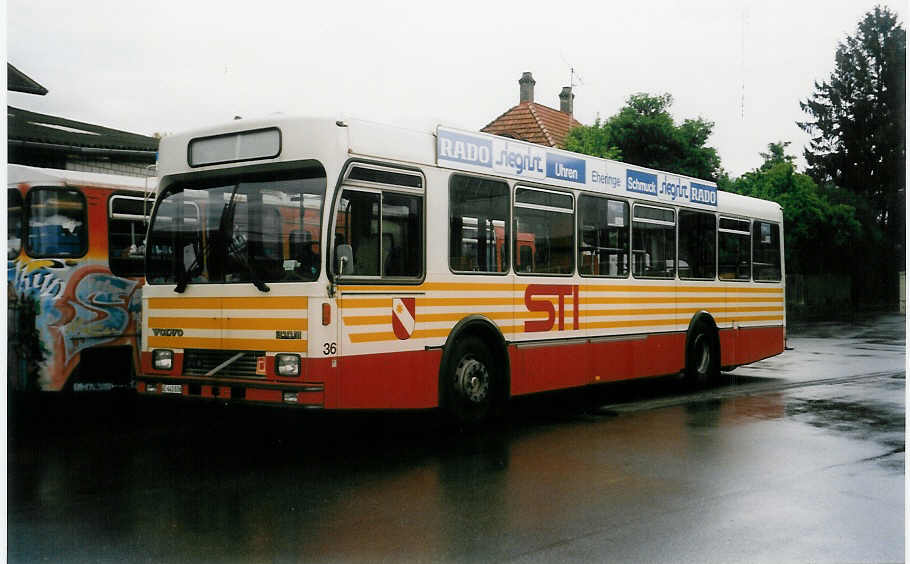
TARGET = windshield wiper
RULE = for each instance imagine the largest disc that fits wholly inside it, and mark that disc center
(227, 222)
(209, 249)
(187, 274)
(242, 258)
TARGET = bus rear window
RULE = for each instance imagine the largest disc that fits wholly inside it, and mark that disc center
(766, 252)
(56, 223)
(13, 223)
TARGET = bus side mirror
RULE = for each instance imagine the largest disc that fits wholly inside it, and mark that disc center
(344, 254)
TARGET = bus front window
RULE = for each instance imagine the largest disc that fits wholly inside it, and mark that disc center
(260, 229)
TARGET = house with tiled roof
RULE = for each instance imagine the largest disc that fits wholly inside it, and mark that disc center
(533, 122)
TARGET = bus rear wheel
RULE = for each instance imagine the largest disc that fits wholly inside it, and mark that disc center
(702, 358)
(470, 381)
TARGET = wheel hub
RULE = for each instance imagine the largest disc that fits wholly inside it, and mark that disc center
(472, 379)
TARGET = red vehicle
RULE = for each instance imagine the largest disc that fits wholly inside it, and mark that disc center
(74, 273)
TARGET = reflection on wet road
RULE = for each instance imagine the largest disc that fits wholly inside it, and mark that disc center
(797, 458)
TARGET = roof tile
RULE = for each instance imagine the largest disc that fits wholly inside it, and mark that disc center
(535, 123)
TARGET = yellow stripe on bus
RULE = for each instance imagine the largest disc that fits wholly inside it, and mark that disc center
(679, 300)
(251, 323)
(227, 344)
(388, 335)
(618, 286)
(293, 302)
(362, 320)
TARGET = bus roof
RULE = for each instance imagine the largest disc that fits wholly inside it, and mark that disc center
(333, 140)
(18, 174)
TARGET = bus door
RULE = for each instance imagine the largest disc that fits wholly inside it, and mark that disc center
(379, 264)
(357, 256)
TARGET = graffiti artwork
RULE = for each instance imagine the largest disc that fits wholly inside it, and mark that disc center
(73, 275)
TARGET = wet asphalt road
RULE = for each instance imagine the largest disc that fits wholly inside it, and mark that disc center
(799, 458)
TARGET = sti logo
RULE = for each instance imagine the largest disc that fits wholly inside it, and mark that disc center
(537, 298)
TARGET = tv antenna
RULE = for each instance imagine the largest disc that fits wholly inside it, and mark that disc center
(574, 78)
(742, 66)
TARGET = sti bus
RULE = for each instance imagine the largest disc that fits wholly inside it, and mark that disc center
(75, 256)
(348, 265)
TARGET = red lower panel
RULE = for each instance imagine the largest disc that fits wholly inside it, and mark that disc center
(551, 367)
(390, 381)
(548, 367)
(750, 344)
(657, 355)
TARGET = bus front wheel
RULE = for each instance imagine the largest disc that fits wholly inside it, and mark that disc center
(470, 381)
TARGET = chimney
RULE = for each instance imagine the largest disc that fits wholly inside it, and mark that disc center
(566, 100)
(526, 92)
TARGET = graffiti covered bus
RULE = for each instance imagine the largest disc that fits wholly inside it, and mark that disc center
(458, 269)
(75, 260)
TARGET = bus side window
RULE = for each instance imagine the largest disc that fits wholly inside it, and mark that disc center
(603, 237)
(547, 217)
(653, 242)
(126, 234)
(697, 242)
(734, 253)
(478, 224)
(56, 223)
(13, 223)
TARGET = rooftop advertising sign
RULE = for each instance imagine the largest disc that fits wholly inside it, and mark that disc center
(480, 152)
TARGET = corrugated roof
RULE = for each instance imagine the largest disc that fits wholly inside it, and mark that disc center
(533, 122)
(18, 81)
(23, 125)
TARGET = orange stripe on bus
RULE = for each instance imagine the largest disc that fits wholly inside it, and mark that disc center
(231, 344)
(251, 323)
(500, 315)
(385, 336)
(293, 302)
(685, 289)
(619, 286)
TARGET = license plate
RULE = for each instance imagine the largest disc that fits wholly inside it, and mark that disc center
(172, 389)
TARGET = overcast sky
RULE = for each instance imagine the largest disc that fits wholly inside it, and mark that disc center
(172, 65)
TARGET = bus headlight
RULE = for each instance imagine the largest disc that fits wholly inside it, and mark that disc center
(287, 364)
(162, 359)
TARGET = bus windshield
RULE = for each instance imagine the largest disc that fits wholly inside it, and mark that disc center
(257, 229)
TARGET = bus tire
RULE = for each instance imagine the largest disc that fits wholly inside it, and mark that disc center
(471, 383)
(702, 356)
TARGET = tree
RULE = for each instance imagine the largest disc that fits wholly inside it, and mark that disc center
(820, 234)
(857, 120)
(643, 133)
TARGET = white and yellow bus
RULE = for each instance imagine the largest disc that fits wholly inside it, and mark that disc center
(350, 265)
